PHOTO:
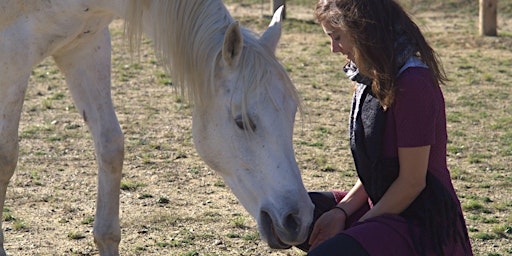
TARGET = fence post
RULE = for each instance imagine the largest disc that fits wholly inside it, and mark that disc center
(276, 3)
(487, 17)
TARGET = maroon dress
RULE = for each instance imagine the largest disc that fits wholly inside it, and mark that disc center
(417, 118)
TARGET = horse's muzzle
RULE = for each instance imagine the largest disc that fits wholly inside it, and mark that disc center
(284, 232)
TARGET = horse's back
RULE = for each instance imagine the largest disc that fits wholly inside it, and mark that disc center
(48, 26)
(10, 10)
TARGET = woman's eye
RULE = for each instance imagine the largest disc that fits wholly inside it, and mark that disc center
(243, 125)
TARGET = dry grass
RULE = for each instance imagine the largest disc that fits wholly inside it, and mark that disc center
(172, 204)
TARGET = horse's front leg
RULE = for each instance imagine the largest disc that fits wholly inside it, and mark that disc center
(15, 67)
(87, 70)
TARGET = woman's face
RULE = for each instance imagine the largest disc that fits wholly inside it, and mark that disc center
(341, 41)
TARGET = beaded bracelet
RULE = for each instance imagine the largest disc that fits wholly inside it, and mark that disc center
(341, 209)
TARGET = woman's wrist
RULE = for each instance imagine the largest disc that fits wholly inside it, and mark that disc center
(337, 207)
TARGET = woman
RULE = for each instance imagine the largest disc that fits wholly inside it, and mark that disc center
(404, 202)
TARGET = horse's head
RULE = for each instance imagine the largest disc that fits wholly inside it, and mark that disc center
(244, 132)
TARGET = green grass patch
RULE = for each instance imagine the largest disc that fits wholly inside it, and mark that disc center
(473, 206)
(130, 185)
(88, 220)
(19, 225)
(163, 200)
(76, 235)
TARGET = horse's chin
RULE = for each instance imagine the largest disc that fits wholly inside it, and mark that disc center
(276, 239)
(272, 238)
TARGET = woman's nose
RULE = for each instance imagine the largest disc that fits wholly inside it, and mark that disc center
(335, 46)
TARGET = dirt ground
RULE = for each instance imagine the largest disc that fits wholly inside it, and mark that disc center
(171, 202)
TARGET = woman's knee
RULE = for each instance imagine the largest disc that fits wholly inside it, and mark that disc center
(340, 244)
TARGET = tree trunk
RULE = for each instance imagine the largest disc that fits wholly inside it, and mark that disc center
(488, 17)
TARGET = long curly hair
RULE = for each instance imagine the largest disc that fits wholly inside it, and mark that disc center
(380, 30)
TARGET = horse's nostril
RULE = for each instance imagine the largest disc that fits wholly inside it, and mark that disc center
(265, 218)
(292, 222)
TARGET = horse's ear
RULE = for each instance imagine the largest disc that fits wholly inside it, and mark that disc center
(233, 45)
(273, 33)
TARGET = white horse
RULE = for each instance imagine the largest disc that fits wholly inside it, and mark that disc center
(244, 102)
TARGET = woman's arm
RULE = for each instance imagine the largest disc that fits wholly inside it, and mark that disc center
(333, 221)
(355, 198)
(409, 184)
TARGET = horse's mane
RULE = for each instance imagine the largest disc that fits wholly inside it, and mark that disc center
(188, 37)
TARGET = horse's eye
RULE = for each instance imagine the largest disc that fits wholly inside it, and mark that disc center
(243, 125)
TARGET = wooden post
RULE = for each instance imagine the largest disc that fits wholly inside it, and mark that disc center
(276, 3)
(488, 17)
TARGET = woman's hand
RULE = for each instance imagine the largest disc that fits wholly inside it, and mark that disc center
(327, 226)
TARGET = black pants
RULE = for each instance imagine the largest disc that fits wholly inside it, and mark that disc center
(340, 244)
